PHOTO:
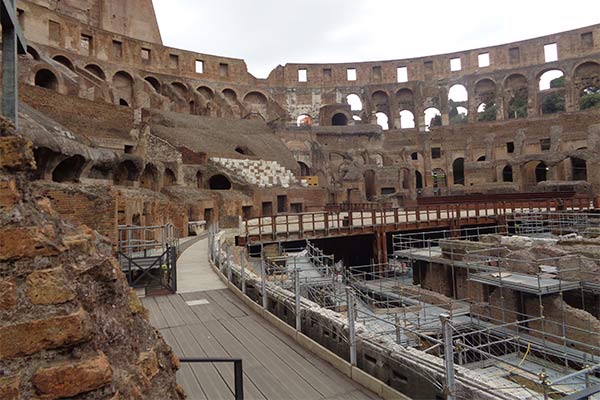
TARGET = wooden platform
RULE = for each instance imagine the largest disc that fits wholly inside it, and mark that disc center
(275, 367)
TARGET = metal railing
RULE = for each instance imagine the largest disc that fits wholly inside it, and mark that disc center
(238, 372)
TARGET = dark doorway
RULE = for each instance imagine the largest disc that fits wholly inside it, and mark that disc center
(282, 204)
(267, 209)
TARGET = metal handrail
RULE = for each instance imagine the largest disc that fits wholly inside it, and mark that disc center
(238, 372)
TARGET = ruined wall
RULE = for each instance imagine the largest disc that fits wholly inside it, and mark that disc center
(133, 18)
(67, 315)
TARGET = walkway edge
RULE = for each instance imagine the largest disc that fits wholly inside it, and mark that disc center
(356, 374)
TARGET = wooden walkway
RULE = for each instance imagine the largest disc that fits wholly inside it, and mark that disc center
(275, 366)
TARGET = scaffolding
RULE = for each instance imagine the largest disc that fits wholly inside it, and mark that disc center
(530, 322)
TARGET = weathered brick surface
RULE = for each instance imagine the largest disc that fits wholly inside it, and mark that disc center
(23, 242)
(16, 153)
(67, 380)
(9, 196)
(10, 387)
(30, 337)
(48, 286)
(8, 293)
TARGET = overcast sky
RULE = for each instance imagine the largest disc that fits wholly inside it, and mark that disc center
(266, 33)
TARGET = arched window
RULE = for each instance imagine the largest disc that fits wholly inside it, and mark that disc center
(339, 119)
(304, 120)
(579, 169)
(458, 170)
(219, 182)
(96, 71)
(155, 83)
(304, 169)
(457, 104)
(419, 180)
(64, 61)
(355, 102)
(382, 120)
(433, 117)
(46, 79)
(407, 119)
(541, 172)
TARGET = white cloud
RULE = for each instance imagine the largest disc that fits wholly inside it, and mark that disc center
(266, 33)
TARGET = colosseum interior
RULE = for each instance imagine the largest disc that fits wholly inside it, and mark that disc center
(419, 228)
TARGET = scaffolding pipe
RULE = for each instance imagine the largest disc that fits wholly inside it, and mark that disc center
(351, 327)
(450, 388)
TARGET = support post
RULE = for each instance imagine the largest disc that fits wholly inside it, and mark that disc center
(397, 326)
(351, 327)
(243, 274)
(263, 279)
(297, 293)
(229, 272)
(450, 388)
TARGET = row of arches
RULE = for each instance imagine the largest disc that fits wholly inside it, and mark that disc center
(514, 102)
(52, 165)
(254, 102)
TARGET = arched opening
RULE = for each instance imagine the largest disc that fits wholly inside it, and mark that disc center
(169, 179)
(219, 182)
(304, 120)
(438, 176)
(68, 170)
(33, 53)
(405, 100)
(199, 180)
(206, 92)
(578, 169)
(507, 174)
(180, 89)
(46, 79)
(587, 82)
(485, 91)
(64, 61)
(230, 95)
(481, 159)
(43, 158)
(96, 71)
(355, 102)
(125, 172)
(552, 92)
(149, 178)
(418, 180)
(369, 178)
(407, 119)
(516, 88)
(541, 172)
(304, 169)
(99, 172)
(433, 117)
(339, 119)
(243, 150)
(458, 171)
(381, 105)
(457, 104)
(123, 88)
(382, 120)
(155, 83)
(256, 103)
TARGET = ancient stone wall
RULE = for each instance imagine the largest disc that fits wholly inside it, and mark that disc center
(67, 315)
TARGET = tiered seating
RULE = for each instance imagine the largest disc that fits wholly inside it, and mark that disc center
(259, 172)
